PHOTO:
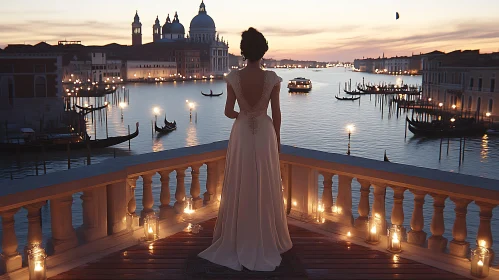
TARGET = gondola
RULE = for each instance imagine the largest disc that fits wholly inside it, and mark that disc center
(211, 94)
(49, 143)
(353, 92)
(87, 110)
(448, 131)
(348, 98)
(169, 127)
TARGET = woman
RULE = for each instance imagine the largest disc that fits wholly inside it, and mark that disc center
(251, 229)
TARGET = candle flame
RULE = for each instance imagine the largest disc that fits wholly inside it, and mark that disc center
(150, 230)
(480, 263)
(373, 229)
(349, 234)
(38, 266)
(395, 238)
(482, 243)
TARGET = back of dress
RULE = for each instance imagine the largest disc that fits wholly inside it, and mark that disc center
(251, 229)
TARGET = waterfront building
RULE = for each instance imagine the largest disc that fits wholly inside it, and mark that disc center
(462, 80)
(30, 90)
(136, 30)
(398, 65)
(143, 70)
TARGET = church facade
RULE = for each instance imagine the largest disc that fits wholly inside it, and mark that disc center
(202, 32)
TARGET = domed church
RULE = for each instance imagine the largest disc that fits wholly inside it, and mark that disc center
(202, 31)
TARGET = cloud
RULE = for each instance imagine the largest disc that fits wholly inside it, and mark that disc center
(286, 32)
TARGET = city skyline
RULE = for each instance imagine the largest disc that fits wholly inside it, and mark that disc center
(320, 30)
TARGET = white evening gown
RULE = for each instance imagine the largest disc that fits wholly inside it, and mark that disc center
(251, 229)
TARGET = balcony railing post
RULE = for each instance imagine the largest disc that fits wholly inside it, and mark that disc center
(117, 207)
(436, 241)
(197, 202)
(10, 258)
(284, 180)
(166, 211)
(211, 182)
(180, 191)
(147, 198)
(132, 218)
(458, 246)
(344, 199)
(397, 217)
(484, 229)
(379, 205)
(305, 190)
(221, 177)
(63, 233)
(34, 226)
(417, 236)
(94, 204)
(363, 208)
(327, 193)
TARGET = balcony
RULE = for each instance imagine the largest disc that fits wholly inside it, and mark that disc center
(327, 245)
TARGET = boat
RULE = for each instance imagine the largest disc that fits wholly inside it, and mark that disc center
(300, 84)
(448, 130)
(492, 131)
(86, 110)
(354, 92)
(73, 141)
(212, 94)
(168, 127)
(347, 98)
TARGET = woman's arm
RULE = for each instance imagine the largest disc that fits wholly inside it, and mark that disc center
(276, 112)
(230, 103)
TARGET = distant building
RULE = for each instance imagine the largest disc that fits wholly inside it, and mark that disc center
(140, 70)
(398, 65)
(466, 79)
(31, 90)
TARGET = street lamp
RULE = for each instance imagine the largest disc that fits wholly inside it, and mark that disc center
(440, 104)
(156, 113)
(122, 105)
(454, 106)
(350, 129)
(488, 114)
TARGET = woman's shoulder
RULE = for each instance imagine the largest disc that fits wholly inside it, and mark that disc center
(274, 75)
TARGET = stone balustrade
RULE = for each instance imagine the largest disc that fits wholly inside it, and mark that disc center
(109, 203)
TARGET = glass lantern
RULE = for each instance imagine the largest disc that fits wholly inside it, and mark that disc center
(373, 230)
(36, 263)
(480, 261)
(394, 239)
(151, 227)
(319, 214)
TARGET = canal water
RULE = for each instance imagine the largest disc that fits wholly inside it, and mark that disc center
(315, 121)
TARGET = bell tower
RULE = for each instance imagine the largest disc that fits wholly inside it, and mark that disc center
(136, 30)
(156, 31)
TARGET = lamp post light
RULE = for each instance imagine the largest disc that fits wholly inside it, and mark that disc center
(156, 111)
(192, 106)
(454, 106)
(122, 106)
(350, 129)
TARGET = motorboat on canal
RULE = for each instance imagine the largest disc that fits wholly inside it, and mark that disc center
(300, 84)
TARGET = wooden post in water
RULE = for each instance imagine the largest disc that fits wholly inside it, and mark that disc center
(448, 144)
(44, 161)
(129, 138)
(69, 156)
(36, 164)
(440, 151)
(460, 151)
(464, 147)
(152, 129)
(88, 151)
(107, 132)
(405, 134)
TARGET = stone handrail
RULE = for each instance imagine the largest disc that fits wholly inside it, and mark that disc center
(109, 204)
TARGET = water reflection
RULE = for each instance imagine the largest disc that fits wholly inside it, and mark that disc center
(484, 153)
(192, 137)
(157, 145)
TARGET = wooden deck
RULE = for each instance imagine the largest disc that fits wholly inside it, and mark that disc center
(313, 254)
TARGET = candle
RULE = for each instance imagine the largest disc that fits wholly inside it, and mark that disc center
(349, 234)
(480, 259)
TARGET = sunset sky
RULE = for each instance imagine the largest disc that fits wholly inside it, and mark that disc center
(325, 30)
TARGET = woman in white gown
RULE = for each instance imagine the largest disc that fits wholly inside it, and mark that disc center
(251, 229)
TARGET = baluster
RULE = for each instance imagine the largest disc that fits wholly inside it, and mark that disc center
(458, 246)
(363, 208)
(417, 235)
(166, 211)
(197, 202)
(344, 199)
(10, 258)
(327, 193)
(34, 223)
(484, 229)
(117, 205)
(63, 233)
(397, 217)
(132, 218)
(436, 241)
(211, 183)
(147, 199)
(379, 205)
(180, 191)
(284, 181)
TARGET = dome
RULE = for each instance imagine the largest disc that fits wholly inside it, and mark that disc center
(177, 27)
(202, 20)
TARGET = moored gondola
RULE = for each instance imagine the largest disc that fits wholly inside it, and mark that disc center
(211, 94)
(169, 127)
(353, 92)
(449, 131)
(348, 98)
(86, 110)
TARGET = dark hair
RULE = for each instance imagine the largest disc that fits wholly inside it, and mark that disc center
(253, 45)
